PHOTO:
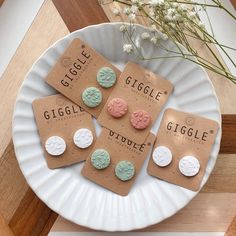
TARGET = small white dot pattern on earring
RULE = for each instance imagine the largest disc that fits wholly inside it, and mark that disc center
(189, 166)
(162, 156)
(55, 145)
(83, 138)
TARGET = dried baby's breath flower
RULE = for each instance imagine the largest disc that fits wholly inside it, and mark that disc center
(175, 20)
(155, 3)
(127, 11)
(132, 17)
(201, 25)
(145, 35)
(128, 48)
(116, 11)
(134, 9)
(123, 28)
(153, 40)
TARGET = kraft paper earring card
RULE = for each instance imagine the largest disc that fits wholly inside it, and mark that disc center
(145, 94)
(125, 161)
(59, 118)
(186, 135)
(77, 69)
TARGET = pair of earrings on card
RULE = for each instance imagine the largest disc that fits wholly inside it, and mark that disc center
(101, 159)
(92, 96)
(118, 107)
(56, 145)
(188, 165)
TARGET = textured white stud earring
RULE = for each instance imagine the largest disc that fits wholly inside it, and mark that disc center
(55, 145)
(162, 156)
(189, 166)
(83, 138)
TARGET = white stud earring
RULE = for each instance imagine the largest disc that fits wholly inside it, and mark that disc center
(189, 166)
(55, 145)
(162, 156)
(83, 138)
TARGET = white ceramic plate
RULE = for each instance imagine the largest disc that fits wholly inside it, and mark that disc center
(65, 190)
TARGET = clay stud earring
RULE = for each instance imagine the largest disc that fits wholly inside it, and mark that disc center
(189, 166)
(140, 119)
(83, 138)
(124, 170)
(106, 77)
(92, 97)
(55, 145)
(162, 156)
(117, 107)
(100, 159)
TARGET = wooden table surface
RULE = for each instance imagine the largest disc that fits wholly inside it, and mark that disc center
(22, 213)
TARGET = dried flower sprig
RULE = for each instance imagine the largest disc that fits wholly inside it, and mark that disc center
(179, 21)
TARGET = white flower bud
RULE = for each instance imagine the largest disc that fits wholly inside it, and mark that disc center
(127, 48)
(127, 11)
(123, 28)
(153, 40)
(153, 28)
(145, 35)
(164, 37)
(183, 7)
(192, 14)
(132, 17)
(116, 11)
(155, 3)
(134, 9)
(201, 25)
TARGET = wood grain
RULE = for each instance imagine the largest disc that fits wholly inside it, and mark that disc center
(232, 228)
(12, 184)
(228, 141)
(223, 176)
(1, 2)
(32, 217)
(234, 3)
(4, 228)
(79, 14)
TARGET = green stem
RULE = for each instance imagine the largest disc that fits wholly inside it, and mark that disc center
(195, 3)
(210, 36)
(125, 3)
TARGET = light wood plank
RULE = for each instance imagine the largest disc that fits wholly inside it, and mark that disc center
(12, 184)
(222, 178)
(32, 217)
(45, 30)
(4, 228)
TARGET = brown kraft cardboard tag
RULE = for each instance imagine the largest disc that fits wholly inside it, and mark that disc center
(58, 116)
(184, 134)
(76, 70)
(119, 148)
(142, 90)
